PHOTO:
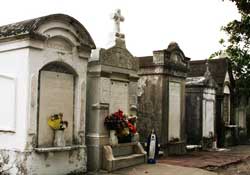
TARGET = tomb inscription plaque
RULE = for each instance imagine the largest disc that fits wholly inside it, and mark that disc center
(174, 110)
(119, 96)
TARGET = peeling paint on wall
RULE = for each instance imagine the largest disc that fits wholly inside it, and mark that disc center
(141, 85)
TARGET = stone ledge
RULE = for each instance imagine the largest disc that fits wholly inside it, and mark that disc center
(231, 126)
(128, 157)
(58, 149)
(125, 144)
(8, 131)
(176, 143)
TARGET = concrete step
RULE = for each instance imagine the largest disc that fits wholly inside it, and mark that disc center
(123, 155)
(127, 161)
(124, 149)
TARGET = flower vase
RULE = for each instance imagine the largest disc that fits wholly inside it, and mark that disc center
(113, 140)
(135, 137)
(59, 138)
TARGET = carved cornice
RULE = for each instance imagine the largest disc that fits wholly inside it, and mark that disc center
(118, 57)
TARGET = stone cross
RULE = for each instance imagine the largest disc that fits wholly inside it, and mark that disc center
(207, 73)
(117, 17)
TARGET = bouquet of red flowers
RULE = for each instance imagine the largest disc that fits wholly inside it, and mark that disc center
(121, 123)
(113, 121)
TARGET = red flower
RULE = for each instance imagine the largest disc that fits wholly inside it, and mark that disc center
(131, 127)
(119, 114)
(132, 119)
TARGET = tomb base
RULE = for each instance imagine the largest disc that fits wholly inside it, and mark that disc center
(174, 148)
(207, 143)
(123, 155)
(230, 132)
(55, 160)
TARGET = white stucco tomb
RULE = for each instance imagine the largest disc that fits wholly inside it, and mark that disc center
(43, 66)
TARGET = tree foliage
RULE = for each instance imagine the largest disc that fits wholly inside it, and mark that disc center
(242, 5)
(238, 46)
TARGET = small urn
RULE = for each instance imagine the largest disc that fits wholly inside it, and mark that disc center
(59, 138)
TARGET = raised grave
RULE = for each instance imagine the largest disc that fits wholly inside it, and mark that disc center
(112, 88)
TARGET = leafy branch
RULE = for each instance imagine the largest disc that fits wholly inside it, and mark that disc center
(237, 46)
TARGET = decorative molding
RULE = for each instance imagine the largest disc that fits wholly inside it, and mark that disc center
(105, 90)
(33, 102)
(59, 149)
(99, 106)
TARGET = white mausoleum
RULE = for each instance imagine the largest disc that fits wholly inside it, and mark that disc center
(43, 64)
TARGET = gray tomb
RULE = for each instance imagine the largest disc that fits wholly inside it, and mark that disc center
(112, 85)
(221, 72)
(200, 110)
(162, 97)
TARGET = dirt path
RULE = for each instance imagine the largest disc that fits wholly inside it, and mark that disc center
(236, 161)
(241, 168)
(205, 160)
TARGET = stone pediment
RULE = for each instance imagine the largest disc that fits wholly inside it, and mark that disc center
(178, 58)
(175, 56)
(172, 57)
(118, 57)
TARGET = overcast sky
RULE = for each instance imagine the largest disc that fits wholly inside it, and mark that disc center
(149, 24)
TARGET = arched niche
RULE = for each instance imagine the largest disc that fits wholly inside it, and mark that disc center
(56, 95)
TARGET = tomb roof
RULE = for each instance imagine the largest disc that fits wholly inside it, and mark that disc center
(164, 57)
(31, 26)
(202, 81)
(218, 68)
(195, 80)
(145, 61)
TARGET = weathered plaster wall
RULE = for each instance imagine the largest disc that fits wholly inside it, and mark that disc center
(193, 115)
(57, 163)
(22, 60)
(150, 105)
(13, 162)
(54, 163)
(162, 81)
(14, 64)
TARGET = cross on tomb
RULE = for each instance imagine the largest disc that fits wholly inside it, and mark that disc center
(117, 17)
(207, 73)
